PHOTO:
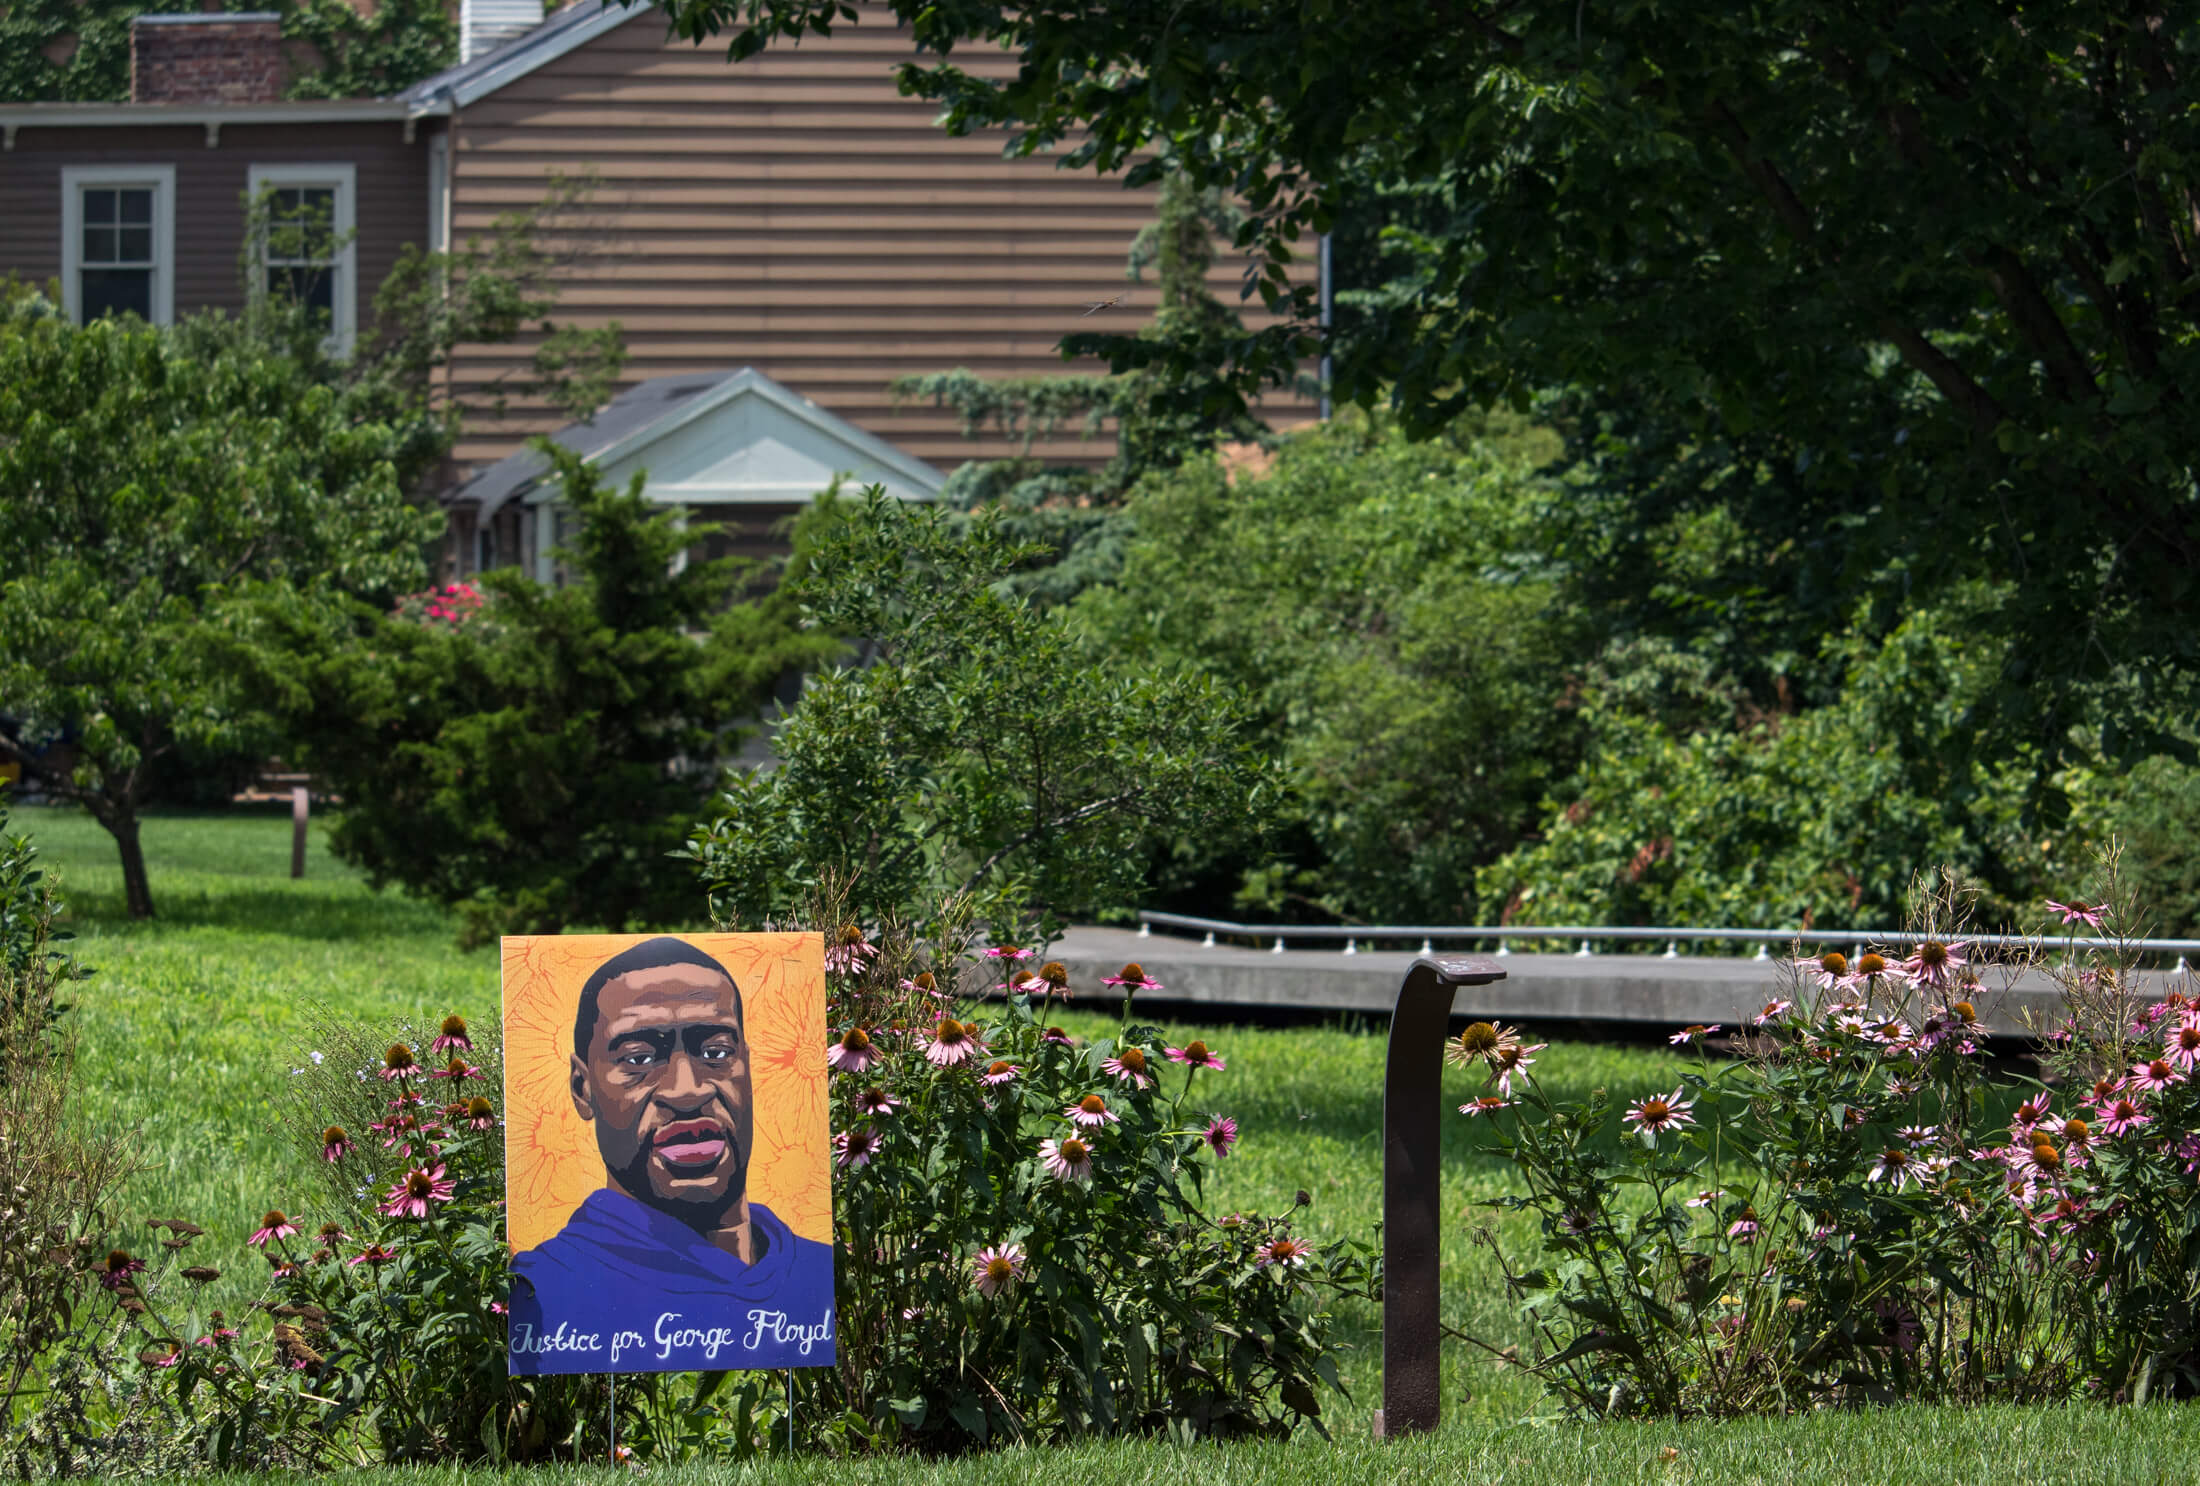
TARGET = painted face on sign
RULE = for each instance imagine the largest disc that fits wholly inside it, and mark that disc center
(666, 1084)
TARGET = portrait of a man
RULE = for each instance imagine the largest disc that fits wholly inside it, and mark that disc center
(672, 1264)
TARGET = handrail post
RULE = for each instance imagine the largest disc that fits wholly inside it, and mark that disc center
(1412, 1183)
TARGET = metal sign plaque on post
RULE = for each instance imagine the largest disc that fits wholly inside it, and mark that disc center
(1412, 1182)
(667, 1158)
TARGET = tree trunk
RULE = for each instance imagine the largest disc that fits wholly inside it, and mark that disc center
(137, 890)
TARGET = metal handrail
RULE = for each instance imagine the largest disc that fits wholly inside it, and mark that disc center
(1352, 935)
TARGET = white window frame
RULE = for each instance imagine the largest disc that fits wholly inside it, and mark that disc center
(162, 181)
(343, 178)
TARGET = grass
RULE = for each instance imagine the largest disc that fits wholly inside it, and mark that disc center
(193, 1020)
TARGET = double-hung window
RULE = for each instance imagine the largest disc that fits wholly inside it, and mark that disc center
(305, 249)
(118, 241)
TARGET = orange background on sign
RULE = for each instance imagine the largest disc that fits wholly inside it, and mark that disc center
(551, 1162)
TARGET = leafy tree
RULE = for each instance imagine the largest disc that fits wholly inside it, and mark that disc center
(979, 750)
(1408, 653)
(1928, 277)
(534, 762)
(149, 489)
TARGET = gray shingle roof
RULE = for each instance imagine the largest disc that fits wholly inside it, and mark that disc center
(630, 412)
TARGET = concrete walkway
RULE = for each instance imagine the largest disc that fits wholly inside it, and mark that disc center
(1642, 989)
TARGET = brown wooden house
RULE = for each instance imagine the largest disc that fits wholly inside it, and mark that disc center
(792, 214)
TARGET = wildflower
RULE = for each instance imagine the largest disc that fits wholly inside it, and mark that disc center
(201, 1274)
(398, 1062)
(1659, 1113)
(335, 1144)
(853, 1053)
(1848, 1021)
(2078, 913)
(2029, 1114)
(167, 1354)
(2042, 1160)
(1220, 1134)
(926, 982)
(458, 1070)
(1898, 1325)
(411, 1193)
(1869, 968)
(1744, 1229)
(1283, 1253)
(1092, 1112)
(1690, 1035)
(2153, 1077)
(2182, 1046)
(331, 1232)
(451, 1038)
(373, 1254)
(1024, 983)
(953, 1042)
(219, 1334)
(273, 1226)
(1485, 1104)
(1916, 1135)
(853, 1148)
(1705, 1199)
(1935, 962)
(1575, 1223)
(996, 1270)
(1000, 1073)
(1067, 1160)
(1132, 978)
(120, 1266)
(1009, 953)
(1509, 1059)
(2066, 1211)
(2123, 1116)
(480, 1114)
(849, 951)
(877, 1103)
(1773, 1011)
(2104, 1089)
(2187, 1150)
(2076, 1134)
(1056, 1036)
(1893, 1166)
(1054, 975)
(1827, 969)
(1129, 1066)
(1195, 1055)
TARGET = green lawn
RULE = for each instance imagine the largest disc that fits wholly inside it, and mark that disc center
(193, 1021)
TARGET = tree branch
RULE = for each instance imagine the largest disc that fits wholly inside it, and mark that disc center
(1061, 822)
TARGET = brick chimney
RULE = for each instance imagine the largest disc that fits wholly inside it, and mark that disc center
(212, 57)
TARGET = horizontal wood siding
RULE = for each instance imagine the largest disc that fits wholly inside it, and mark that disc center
(392, 200)
(795, 213)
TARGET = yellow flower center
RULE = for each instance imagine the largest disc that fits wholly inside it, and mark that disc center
(1054, 973)
(1966, 1011)
(999, 1270)
(948, 1031)
(2076, 1129)
(1000, 1068)
(2045, 1155)
(1833, 962)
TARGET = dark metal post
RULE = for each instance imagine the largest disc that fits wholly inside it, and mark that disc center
(297, 830)
(1412, 1183)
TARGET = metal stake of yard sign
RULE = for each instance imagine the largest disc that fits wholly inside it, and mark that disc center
(1412, 1104)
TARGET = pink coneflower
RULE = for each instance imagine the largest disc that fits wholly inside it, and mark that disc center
(273, 1226)
(1575, 1223)
(1067, 1160)
(1091, 1112)
(1132, 978)
(1848, 1021)
(2182, 1045)
(1773, 1011)
(2078, 913)
(928, 984)
(373, 1254)
(1009, 953)
(877, 1103)
(1482, 1042)
(1511, 1058)
(1129, 1066)
(2122, 1116)
(1195, 1055)
(2067, 1212)
(480, 1114)
(2187, 1150)
(452, 1038)
(1690, 1035)
(853, 1052)
(1827, 969)
(996, 1270)
(1936, 962)
(1053, 978)
(458, 1070)
(1893, 1166)
(115, 1276)
(1056, 1036)
(849, 951)
(397, 1128)
(1220, 1134)
(1483, 1104)
(1659, 1113)
(411, 1193)
(1706, 1199)
(167, 1354)
(1869, 969)
(2153, 1077)
(1744, 1229)
(399, 1062)
(953, 1042)
(1283, 1253)
(2029, 1114)
(1914, 1136)
(2076, 1134)
(852, 1148)
(1898, 1326)
(335, 1144)
(1000, 1073)
(218, 1335)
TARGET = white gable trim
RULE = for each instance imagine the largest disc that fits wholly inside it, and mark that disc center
(527, 59)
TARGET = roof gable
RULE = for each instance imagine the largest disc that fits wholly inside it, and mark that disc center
(738, 439)
(575, 26)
